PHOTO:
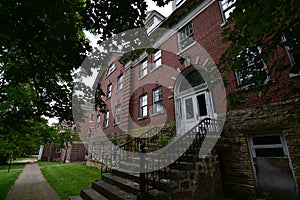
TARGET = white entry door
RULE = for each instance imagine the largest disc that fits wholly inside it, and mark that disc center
(194, 108)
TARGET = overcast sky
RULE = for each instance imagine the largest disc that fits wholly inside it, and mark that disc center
(165, 11)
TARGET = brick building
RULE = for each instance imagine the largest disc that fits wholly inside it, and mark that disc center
(257, 151)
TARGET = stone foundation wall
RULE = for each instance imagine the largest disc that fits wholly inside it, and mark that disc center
(236, 163)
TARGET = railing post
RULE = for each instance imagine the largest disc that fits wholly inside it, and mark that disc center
(142, 194)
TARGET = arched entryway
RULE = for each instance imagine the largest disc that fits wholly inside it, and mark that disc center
(193, 100)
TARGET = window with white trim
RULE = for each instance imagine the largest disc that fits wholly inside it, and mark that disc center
(291, 42)
(227, 7)
(186, 36)
(143, 106)
(120, 82)
(58, 149)
(105, 120)
(111, 68)
(157, 101)
(117, 113)
(267, 146)
(253, 69)
(98, 122)
(109, 88)
(143, 68)
(156, 59)
(89, 133)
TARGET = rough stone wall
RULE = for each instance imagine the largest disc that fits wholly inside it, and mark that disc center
(236, 164)
(202, 182)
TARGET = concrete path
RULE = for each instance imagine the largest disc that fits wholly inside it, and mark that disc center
(31, 185)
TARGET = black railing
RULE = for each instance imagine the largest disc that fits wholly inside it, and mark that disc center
(158, 166)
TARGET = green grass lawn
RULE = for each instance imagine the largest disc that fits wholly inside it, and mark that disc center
(6, 181)
(13, 166)
(68, 180)
(46, 163)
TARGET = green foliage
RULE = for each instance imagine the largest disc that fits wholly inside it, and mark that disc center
(68, 180)
(6, 181)
(267, 196)
(42, 44)
(261, 23)
(163, 140)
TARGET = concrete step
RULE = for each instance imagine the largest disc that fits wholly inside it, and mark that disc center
(91, 194)
(124, 184)
(127, 175)
(111, 191)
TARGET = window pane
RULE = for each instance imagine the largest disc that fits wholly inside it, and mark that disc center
(189, 107)
(270, 152)
(202, 105)
(265, 140)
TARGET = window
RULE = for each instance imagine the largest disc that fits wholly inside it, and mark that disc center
(120, 82)
(117, 113)
(186, 36)
(178, 2)
(91, 116)
(227, 6)
(144, 105)
(98, 122)
(108, 94)
(253, 69)
(156, 59)
(157, 101)
(291, 43)
(143, 68)
(267, 146)
(106, 118)
(58, 149)
(89, 133)
(111, 68)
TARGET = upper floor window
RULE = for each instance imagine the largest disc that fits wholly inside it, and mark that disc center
(89, 132)
(111, 68)
(291, 43)
(227, 7)
(98, 122)
(143, 68)
(117, 113)
(156, 59)
(143, 105)
(186, 36)
(91, 116)
(178, 3)
(120, 82)
(253, 69)
(157, 101)
(106, 118)
(109, 88)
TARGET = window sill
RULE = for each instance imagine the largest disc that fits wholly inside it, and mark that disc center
(156, 68)
(186, 48)
(292, 75)
(116, 124)
(158, 113)
(141, 118)
(107, 98)
(143, 77)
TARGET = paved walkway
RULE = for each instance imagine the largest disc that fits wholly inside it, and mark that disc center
(31, 185)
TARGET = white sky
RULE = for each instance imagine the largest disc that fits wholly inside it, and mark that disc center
(165, 11)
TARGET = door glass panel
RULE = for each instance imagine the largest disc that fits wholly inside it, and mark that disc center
(202, 105)
(189, 108)
(272, 152)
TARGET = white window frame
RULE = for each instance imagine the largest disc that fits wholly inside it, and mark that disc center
(143, 69)
(120, 82)
(290, 53)
(227, 7)
(98, 122)
(157, 100)
(106, 120)
(143, 111)
(186, 35)
(156, 57)
(89, 133)
(109, 89)
(58, 149)
(111, 69)
(117, 114)
(250, 65)
(267, 146)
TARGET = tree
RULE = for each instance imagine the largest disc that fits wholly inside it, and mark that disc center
(41, 45)
(257, 30)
